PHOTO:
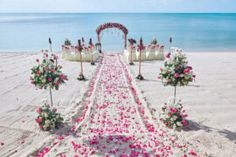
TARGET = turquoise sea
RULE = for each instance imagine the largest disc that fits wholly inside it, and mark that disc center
(191, 32)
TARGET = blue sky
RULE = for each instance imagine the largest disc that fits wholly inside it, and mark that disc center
(118, 6)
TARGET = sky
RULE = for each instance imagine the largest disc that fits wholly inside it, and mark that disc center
(183, 6)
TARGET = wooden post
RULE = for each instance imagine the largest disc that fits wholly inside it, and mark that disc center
(140, 60)
(170, 41)
(50, 89)
(131, 55)
(81, 76)
(141, 47)
(50, 44)
(91, 48)
(98, 38)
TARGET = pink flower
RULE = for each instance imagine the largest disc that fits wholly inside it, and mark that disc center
(39, 119)
(173, 110)
(53, 70)
(186, 71)
(176, 75)
(39, 110)
(190, 68)
(192, 152)
(62, 155)
(57, 83)
(46, 55)
(38, 72)
(184, 122)
(62, 76)
(37, 60)
(168, 55)
(49, 79)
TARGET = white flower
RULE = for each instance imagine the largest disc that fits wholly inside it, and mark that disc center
(47, 122)
(43, 80)
(179, 124)
(45, 114)
(174, 118)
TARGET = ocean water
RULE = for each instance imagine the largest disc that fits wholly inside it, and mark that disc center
(191, 32)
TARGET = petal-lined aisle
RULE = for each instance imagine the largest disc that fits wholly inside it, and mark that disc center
(116, 122)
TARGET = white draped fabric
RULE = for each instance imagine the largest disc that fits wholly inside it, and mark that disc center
(156, 53)
(70, 53)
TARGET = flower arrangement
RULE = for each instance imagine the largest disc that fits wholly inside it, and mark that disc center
(173, 115)
(154, 41)
(67, 42)
(80, 48)
(176, 71)
(48, 118)
(47, 74)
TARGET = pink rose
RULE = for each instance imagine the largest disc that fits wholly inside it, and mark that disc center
(190, 67)
(39, 110)
(168, 55)
(38, 72)
(39, 120)
(186, 71)
(61, 137)
(184, 122)
(173, 110)
(53, 70)
(176, 75)
(49, 79)
(62, 76)
(57, 83)
(192, 152)
(46, 55)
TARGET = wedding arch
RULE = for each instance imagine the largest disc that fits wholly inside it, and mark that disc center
(119, 26)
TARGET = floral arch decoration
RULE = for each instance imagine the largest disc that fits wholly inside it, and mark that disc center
(119, 26)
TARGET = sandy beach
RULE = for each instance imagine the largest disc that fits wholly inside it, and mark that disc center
(19, 99)
(209, 101)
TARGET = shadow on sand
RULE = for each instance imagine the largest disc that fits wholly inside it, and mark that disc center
(194, 126)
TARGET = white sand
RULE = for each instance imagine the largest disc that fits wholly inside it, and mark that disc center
(211, 106)
(210, 101)
(19, 98)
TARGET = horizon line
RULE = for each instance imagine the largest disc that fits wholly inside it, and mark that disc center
(118, 12)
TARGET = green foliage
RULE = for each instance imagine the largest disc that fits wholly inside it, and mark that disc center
(47, 74)
(176, 71)
(48, 118)
(67, 42)
(173, 115)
